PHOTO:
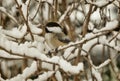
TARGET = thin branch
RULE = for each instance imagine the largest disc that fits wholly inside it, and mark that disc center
(36, 11)
(82, 41)
(3, 10)
(114, 37)
(26, 22)
(86, 22)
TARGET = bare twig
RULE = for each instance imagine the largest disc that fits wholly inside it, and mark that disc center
(86, 22)
(2, 9)
(26, 22)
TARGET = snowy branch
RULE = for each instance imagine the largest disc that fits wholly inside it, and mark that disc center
(2, 9)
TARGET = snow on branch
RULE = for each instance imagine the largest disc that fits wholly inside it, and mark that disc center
(15, 32)
(66, 13)
(25, 50)
(96, 74)
(109, 26)
(23, 8)
(87, 38)
(68, 68)
(21, 50)
(34, 29)
(26, 73)
(101, 3)
(2, 9)
(25, 41)
(103, 64)
(44, 76)
(8, 56)
(58, 76)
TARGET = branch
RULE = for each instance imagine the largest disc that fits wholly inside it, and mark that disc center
(101, 3)
(3, 10)
(86, 22)
(24, 15)
(87, 37)
(26, 73)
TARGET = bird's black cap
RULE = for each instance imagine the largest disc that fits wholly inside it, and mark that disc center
(52, 24)
(55, 24)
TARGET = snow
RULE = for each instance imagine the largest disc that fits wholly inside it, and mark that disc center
(109, 26)
(87, 46)
(77, 15)
(16, 33)
(5, 69)
(115, 33)
(1, 79)
(103, 64)
(22, 49)
(2, 9)
(49, 1)
(96, 74)
(44, 76)
(89, 35)
(19, 2)
(7, 3)
(68, 52)
(90, 26)
(112, 43)
(103, 39)
(4, 54)
(36, 38)
(111, 12)
(34, 29)
(38, 49)
(95, 16)
(46, 12)
(73, 55)
(99, 3)
(26, 73)
(34, 53)
(54, 59)
(117, 48)
(24, 10)
(45, 66)
(65, 13)
(68, 68)
(58, 76)
(30, 70)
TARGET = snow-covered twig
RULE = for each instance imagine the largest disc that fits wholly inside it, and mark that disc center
(26, 73)
(23, 12)
(44, 76)
(16, 33)
(101, 3)
(111, 25)
(96, 74)
(7, 56)
(103, 64)
(66, 13)
(87, 37)
(2, 9)
(24, 51)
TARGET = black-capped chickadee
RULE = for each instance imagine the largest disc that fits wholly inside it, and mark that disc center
(55, 35)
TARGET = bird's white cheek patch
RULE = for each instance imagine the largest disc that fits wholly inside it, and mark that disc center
(55, 29)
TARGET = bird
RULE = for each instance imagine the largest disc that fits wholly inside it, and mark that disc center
(55, 35)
